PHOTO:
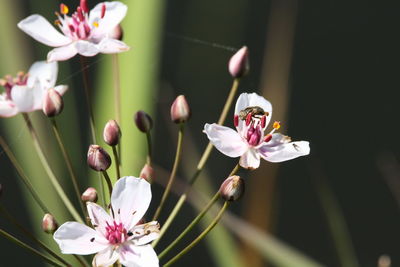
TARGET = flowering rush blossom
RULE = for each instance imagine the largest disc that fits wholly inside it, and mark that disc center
(84, 32)
(25, 92)
(251, 118)
(115, 237)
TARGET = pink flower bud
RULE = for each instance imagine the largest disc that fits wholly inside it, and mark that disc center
(239, 63)
(111, 133)
(116, 33)
(52, 103)
(143, 121)
(90, 195)
(232, 188)
(49, 223)
(180, 110)
(147, 173)
(98, 159)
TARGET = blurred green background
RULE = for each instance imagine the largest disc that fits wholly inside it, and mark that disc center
(330, 69)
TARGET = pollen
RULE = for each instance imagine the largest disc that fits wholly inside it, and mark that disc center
(276, 125)
(96, 24)
(57, 22)
(64, 9)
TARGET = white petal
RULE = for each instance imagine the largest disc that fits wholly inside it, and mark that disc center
(86, 48)
(115, 12)
(130, 200)
(7, 108)
(62, 53)
(250, 159)
(26, 98)
(140, 237)
(76, 238)
(139, 256)
(42, 31)
(112, 46)
(283, 152)
(251, 100)
(105, 257)
(226, 140)
(99, 217)
(45, 72)
(61, 89)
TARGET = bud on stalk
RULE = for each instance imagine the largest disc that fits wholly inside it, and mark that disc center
(180, 110)
(147, 173)
(239, 63)
(52, 103)
(90, 195)
(97, 158)
(143, 121)
(111, 133)
(232, 188)
(49, 223)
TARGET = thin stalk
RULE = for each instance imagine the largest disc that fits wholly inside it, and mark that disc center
(177, 207)
(117, 162)
(29, 248)
(149, 148)
(173, 172)
(200, 237)
(117, 87)
(203, 159)
(191, 225)
(68, 162)
(23, 176)
(48, 170)
(108, 180)
(14, 221)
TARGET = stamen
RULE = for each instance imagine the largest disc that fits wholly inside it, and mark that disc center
(276, 125)
(96, 24)
(84, 6)
(64, 9)
(267, 138)
(103, 10)
(248, 119)
(236, 120)
(80, 14)
(263, 121)
(57, 22)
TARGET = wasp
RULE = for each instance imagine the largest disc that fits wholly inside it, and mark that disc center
(255, 111)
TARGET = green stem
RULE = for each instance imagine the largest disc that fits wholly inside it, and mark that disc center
(117, 162)
(29, 248)
(117, 87)
(108, 180)
(149, 148)
(48, 170)
(69, 165)
(14, 221)
(23, 176)
(191, 225)
(173, 172)
(200, 237)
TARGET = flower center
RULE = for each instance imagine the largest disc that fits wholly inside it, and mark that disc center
(116, 233)
(8, 82)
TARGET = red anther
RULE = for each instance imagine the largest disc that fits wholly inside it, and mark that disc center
(80, 13)
(103, 10)
(267, 138)
(263, 121)
(248, 119)
(87, 29)
(84, 6)
(63, 9)
(71, 28)
(236, 120)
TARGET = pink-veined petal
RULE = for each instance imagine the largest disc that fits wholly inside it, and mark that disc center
(7, 108)
(42, 31)
(86, 48)
(115, 12)
(226, 140)
(45, 72)
(26, 98)
(141, 237)
(98, 217)
(250, 159)
(61, 89)
(105, 257)
(138, 256)
(130, 200)
(76, 238)
(112, 46)
(62, 53)
(284, 152)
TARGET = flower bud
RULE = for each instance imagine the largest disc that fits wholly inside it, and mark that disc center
(147, 173)
(232, 188)
(90, 195)
(180, 111)
(239, 63)
(49, 223)
(52, 103)
(143, 121)
(111, 133)
(98, 159)
(116, 33)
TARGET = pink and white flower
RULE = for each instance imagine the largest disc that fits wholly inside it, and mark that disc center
(117, 236)
(85, 33)
(249, 142)
(25, 92)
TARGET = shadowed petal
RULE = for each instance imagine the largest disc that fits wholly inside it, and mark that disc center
(115, 12)
(98, 217)
(139, 256)
(45, 72)
(61, 89)
(7, 108)
(250, 159)
(112, 46)
(62, 53)
(86, 48)
(26, 98)
(145, 233)
(283, 152)
(105, 257)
